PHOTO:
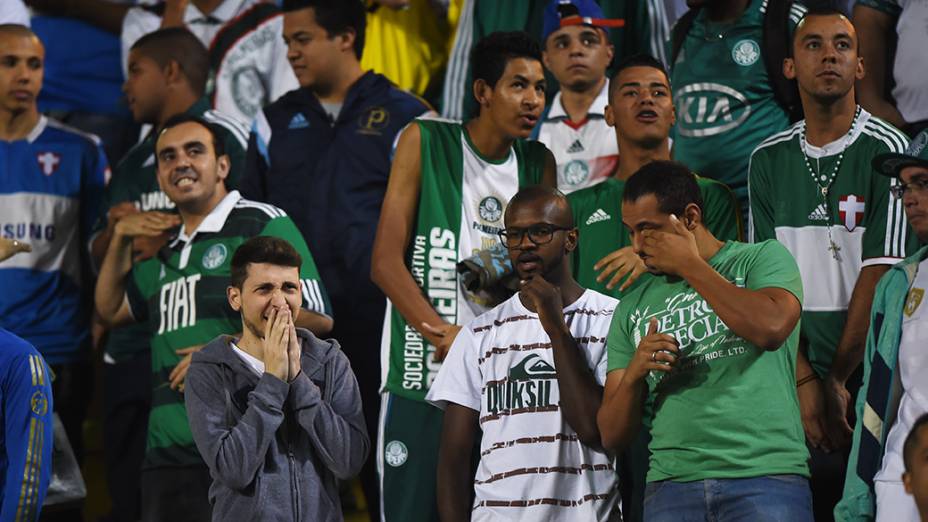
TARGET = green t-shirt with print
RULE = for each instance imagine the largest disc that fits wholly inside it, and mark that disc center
(729, 408)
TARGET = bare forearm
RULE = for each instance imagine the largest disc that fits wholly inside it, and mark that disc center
(394, 279)
(580, 395)
(751, 315)
(619, 417)
(111, 288)
(454, 486)
(850, 350)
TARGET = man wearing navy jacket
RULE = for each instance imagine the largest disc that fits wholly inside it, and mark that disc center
(322, 153)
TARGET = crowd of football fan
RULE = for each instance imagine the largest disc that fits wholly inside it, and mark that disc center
(641, 260)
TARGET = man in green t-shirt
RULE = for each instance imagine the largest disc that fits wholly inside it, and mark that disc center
(180, 294)
(709, 338)
(641, 112)
(724, 96)
(813, 188)
(167, 75)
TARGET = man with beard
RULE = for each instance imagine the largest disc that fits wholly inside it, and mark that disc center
(445, 201)
(180, 295)
(529, 374)
(708, 340)
(813, 188)
(296, 423)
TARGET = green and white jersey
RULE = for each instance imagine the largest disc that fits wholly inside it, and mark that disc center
(462, 200)
(866, 225)
(135, 180)
(724, 99)
(180, 296)
(597, 214)
(729, 408)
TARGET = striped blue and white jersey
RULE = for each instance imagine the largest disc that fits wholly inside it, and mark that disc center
(50, 188)
(26, 438)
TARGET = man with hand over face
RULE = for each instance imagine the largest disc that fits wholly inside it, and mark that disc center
(704, 350)
(529, 374)
(180, 295)
(276, 413)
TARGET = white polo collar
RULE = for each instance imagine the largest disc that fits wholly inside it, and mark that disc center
(38, 129)
(598, 108)
(213, 222)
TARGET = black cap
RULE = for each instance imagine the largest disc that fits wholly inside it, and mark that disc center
(915, 155)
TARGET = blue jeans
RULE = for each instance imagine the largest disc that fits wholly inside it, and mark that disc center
(772, 498)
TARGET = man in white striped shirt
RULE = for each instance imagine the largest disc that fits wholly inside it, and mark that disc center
(530, 373)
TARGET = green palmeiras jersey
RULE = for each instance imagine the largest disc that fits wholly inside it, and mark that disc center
(180, 295)
(462, 200)
(723, 97)
(859, 223)
(135, 180)
(597, 214)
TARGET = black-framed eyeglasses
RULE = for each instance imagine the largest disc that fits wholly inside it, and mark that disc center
(917, 185)
(539, 234)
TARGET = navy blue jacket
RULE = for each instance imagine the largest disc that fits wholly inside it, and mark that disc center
(331, 177)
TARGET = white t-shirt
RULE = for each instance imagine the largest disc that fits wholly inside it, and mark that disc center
(910, 67)
(913, 368)
(256, 365)
(586, 152)
(14, 12)
(254, 70)
(501, 365)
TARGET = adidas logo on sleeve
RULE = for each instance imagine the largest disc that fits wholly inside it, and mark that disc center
(596, 217)
(819, 214)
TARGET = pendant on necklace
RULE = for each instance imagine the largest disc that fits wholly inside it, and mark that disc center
(834, 250)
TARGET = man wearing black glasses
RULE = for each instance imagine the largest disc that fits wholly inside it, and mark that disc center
(530, 372)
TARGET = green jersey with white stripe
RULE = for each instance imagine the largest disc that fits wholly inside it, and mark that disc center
(597, 214)
(858, 224)
(723, 97)
(181, 295)
(135, 181)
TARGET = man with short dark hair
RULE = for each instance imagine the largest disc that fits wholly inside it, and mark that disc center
(246, 54)
(447, 194)
(641, 114)
(322, 153)
(276, 412)
(167, 76)
(180, 295)
(530, 370)
(708, 338)
(812, 187)
(51, 180)
(573, 127)
(894, 393)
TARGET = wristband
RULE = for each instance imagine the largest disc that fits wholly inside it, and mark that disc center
(807, 379)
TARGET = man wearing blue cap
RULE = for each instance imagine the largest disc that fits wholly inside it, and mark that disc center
(894, 393)
(577, 51)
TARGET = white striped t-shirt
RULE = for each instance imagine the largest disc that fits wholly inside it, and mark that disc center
(532, 465)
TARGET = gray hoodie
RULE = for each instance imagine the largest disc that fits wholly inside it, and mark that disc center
(274, 449)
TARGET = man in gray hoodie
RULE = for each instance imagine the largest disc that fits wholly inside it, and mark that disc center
(276, 414)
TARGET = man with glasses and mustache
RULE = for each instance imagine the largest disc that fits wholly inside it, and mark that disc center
(894, 391)
(529, 374)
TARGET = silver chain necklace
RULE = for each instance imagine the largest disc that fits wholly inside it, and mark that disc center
(823, 181)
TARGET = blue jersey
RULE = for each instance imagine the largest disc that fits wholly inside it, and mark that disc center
(50, 189)
(26, 438)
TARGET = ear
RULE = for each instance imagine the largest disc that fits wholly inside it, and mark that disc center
(223, 165)
(609, 116)
(234, 295)
(673, 111)
(610, 49)
(346, 41)
(482, 92)
(907, 482)
(789, 68)
(692, 216)
(861, 70)
(545, 60)
(173, 73)
(572, 236)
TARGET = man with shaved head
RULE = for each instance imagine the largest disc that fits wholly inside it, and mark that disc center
(529, 373)
(51, 179)
(812, 187)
